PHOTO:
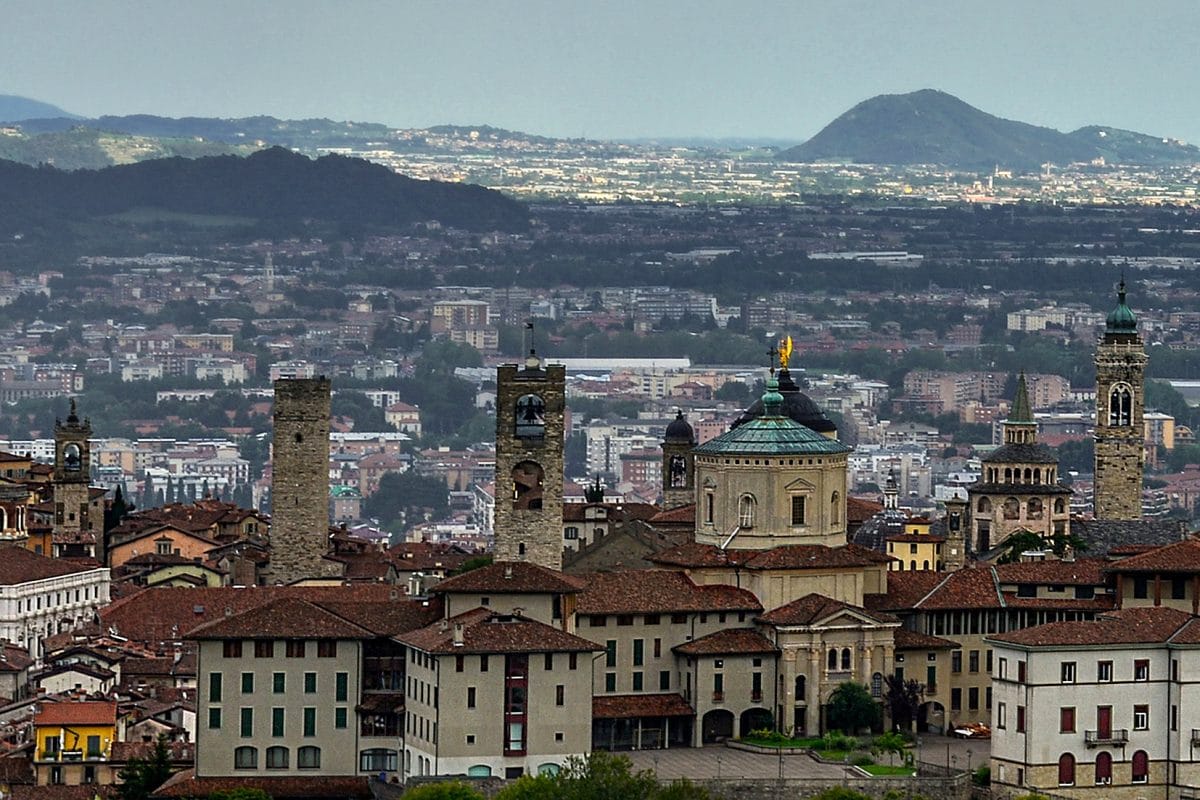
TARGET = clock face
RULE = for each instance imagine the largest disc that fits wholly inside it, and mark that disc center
(72, 458)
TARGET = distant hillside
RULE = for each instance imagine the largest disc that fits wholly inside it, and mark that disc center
(15, 109)
(933, 127)
(273, 184)
(88, 148)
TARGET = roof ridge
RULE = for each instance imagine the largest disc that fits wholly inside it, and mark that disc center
(996, 585)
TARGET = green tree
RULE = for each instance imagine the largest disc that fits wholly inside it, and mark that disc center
(1024, 541)
(141, 776)
(890, 744)
(243, 793)
(452, 790)
(408, 497)
(903, 698)
(851, 708)
(597, 776)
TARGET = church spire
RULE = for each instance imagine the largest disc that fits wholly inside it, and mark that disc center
(1020, 427)
(1021, 411)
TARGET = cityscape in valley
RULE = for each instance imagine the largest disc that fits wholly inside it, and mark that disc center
(362, 460)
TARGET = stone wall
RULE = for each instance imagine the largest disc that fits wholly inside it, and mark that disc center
(956, 788)
(300, 479)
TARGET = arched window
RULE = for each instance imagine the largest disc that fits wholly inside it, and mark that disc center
(1033, 510)
(832, 660)
(1103, 768)
(925, 564)
(479, 771)
(1028, 475)
(900, 566)
(912, 564)
(1037, 475)
(72, 458)
(1008, 475)
(835, 509)
(984, 506)
(527, 479)
(1012, 508)
(746, 511)
(308, 757)
(845, 658)
(530, 422)
(1141, 767)
(245, 758)
(1066, 770)
(1120, 406)
(801, 687)
(377, 759)
(277, 757)
(678, 472)
(877, 685)
(1060, 505)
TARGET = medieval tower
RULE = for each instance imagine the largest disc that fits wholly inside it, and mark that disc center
(1120, 401)
(72, 476)
(300, 479)
(679, 465)
(530, 415)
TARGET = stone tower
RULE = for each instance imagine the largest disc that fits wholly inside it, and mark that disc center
(1120, 401)
(300, 479)
(679, 466)
(72, 476)
(955, 551)
(530, 411)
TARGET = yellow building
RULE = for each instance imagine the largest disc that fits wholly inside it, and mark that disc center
(916, 547)
(74, 742)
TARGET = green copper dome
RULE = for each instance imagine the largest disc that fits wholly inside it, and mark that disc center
(771, 434)
(1121, 319)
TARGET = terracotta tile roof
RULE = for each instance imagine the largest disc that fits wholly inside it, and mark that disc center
(1121, 550)
(1101, 603)
(627, 706)
(1081, 572)
(484, 631)
(86, 712)
(966, 588)
(731, 641)
(860, 510)
(511, 577)
(180, 752)
(693, 554)
(63, 792)
(657, 591)
(915, 640)
(1177, 557)
(904, 589)
(147, 666)
(21, 566)
(1146, 625)
(390, 618)
(283, 618)
(410, 556)
(185, 784)
(813, 608)
(799, 556)
(680, 515)
(917, 538)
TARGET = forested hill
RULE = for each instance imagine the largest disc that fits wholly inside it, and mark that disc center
(273, 184)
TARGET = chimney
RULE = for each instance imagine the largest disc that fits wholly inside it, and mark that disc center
(458, 634)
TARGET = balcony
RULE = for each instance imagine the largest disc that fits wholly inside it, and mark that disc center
(1102, 738)
(756, 696)
(718, 697)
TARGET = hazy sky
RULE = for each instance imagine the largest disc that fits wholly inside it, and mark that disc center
(615, 68)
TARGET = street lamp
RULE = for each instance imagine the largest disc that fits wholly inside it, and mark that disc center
(970, 753)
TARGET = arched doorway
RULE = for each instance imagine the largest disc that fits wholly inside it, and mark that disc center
(754, 719)
(717, 726)
(931, 718)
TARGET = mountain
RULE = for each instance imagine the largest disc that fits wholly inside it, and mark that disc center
(270, 186)
(933, 127)
(15, 109)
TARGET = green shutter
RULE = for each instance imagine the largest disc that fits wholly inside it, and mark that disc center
(214, 687)
(277, 722)
(310, 722)
(278, 683)
(247, 722)
(339, 718)
(343, 680)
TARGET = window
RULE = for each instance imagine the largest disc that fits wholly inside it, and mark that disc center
(1141, 587)
(610, 653)
(746, 511)
(845, 658)
(470, 697)
(1141, 669)
(637, 681)
(973, 661)
(377, 759)
(624, 620)
(1174, 669)
(664, 681)
(571, 532)
(1103, 768)
(339, 718)
(296, 648)
(1066, 770)
(1020, 719)
(1067, 672)
(276, 723)
(1174, 717)
(597, 621)
(1120, 406)
(1020, 672)
(573, 661)
(956, 699)
(973, 698)
(264, 648)
(559, 695)
(1001, 716)
(658, 648)
(639, 655)
(310, 683)
(956, 661)
(483, 663)
(277, 758)
(1103, 671)
(229, 649)
(310, 722)
(1066, 719)
(308, 757)
(341, 684)
(548, 662)
(459, 663)
(245, 758)
(326, 648)
(1141, 718)
(278, 682)
(214, 719)
(247, 722)
(708, 508)
(652, 619)
(798, 510)
(610, 681)
(1002, 669)
(214, 687)
(1141, 767)
(247, 683)
(718, 685)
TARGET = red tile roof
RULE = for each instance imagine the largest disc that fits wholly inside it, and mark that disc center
(87, 791)
(964, 589)
(860, 510)
(731, 641)
(484, 631)
(627, 706)
(282, 618)
(917, 538)
(1176, 557)
(1144, 625)
(390, 618)
(813, 608)
(905, 588)
(915, 640)
(511, 577)
(1081, 572)
(680, 515)
(658, 591)
(21, 566)
(86, 712)
(186, 785)
(799, 556)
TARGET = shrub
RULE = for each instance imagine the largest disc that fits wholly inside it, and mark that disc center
(836, 740)
(863, 761)
(982, 776)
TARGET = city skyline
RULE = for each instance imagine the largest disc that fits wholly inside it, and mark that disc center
(708, 69)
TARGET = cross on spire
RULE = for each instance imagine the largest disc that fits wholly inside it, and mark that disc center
(773, 354)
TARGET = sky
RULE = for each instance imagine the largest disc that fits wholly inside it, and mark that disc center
(608, 68)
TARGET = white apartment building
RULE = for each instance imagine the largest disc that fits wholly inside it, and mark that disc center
(41, 596)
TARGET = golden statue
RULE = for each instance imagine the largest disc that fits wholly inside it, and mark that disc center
(785, 352)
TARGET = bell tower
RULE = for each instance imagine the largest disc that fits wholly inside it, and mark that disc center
(530, 417)
(679, 465)
(72, 477)
(1120, 403)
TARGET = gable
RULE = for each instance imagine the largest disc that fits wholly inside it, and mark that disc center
(845, 618)
(800, 485)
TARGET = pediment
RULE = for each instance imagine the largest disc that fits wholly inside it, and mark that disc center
(801, 485)
(709, 483)
(845, 618)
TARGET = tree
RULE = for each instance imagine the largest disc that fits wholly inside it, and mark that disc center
(904, 698)
(1024, 541)
(597, 776)
(890, 743)
(141, 776)
(452, 790)
(239, 794)
(851, 708)
(406, 496)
